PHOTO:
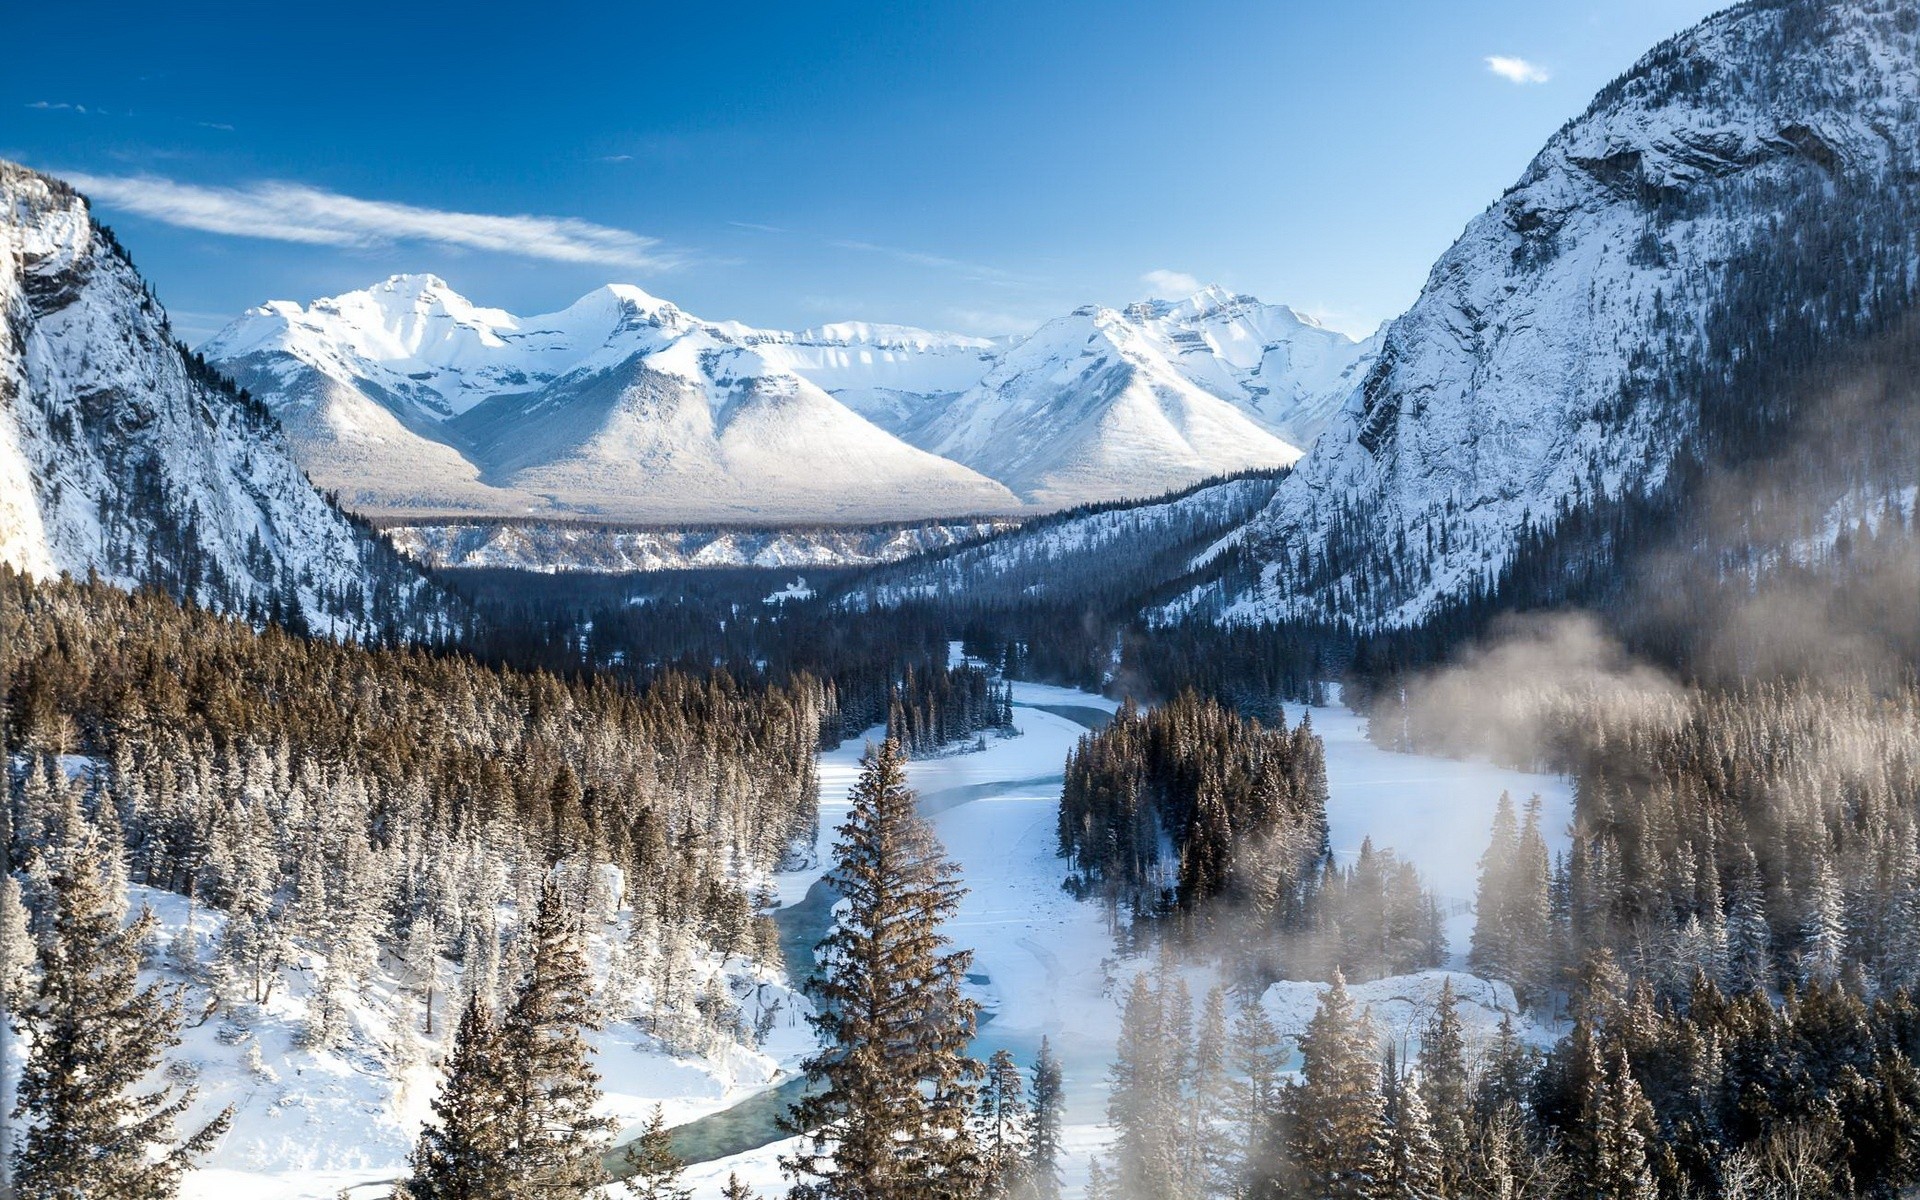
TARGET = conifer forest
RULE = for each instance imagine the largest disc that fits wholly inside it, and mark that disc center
(1176, 747)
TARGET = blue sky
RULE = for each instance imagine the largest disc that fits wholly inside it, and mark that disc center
(977, 166)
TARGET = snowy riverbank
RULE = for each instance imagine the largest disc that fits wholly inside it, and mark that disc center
(1044, 961)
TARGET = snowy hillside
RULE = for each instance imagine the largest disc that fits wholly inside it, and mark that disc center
(407, 398)
(1076, 553)
(1526, 379)
(118, 454)
(1107, 403)
(559, 546)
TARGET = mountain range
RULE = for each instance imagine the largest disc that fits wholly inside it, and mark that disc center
(409, 400)
(1736, 210)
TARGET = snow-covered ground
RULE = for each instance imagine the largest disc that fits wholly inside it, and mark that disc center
(313, 1124)
(1045, 961)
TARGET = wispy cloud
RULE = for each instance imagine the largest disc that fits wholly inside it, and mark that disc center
(1171, 285)
(1517, 70)
(222, 126)
(756, 227)
(616, 158)
(976, 272)
(63, 106)
(293, 212)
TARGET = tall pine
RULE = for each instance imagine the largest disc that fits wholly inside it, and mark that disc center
(555, 1140)
(91, 1125)
(894, 1087)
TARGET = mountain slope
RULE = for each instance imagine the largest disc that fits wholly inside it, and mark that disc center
(1546, 362)
(1100, 405)
(120, 454)
(406, 398)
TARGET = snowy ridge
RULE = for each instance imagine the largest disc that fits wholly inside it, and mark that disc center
(1062, 554)
(1109, 403)
(118, 456)
(1504, 394)
(407, 398)
(564, 547)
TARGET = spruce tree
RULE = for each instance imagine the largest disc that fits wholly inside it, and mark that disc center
(1001, 1126)
(895, 1088)
(1406, 1160)
(1492, 951)
(1443, 1071)
(555, 1140)
(463, 1152)
(1258, 1059)
(94, 1036)
(736, 1190)
(1041, 1180)
(1335, 1111)
(653, 1170)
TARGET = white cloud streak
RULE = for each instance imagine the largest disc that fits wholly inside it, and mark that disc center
(1171, 285)
(1517, 70)
(293, 212)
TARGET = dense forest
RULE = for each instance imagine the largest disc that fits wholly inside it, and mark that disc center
(356, 803)
(1212, 828)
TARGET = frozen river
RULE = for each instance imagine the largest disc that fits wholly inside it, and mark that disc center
(1041, 958)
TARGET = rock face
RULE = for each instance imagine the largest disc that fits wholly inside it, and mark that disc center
(123, 455)
(410, 400)
(1517, 387)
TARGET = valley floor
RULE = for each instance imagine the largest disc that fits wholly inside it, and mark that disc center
(1043, 962)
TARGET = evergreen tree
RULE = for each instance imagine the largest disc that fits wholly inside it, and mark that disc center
(1493, 950)
(895, 1086)
(1617, 1119)
(1406, 1159)
(1443, 1071)
(464, 1151)
(1041, 1180)
(1144, 1099)
(1001, 1126)
(1334, 1113)
(1258, 1059)
(94, 1036)
(555, 1140)
(653, 1170)
(736, 1190)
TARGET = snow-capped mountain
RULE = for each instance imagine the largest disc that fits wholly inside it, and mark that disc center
(1135, 402)
(120, 454)
(407, 398)
(1535, 372)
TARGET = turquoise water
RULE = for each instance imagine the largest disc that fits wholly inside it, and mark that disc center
(755, 1121)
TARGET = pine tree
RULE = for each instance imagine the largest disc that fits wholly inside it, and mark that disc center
(1335, 1112)
(1258, 1059)
(1144, 1099)
(895, 1084)
(1443, 1070)
(1492, 953)
(94, 1036)
(1406, 1159)
(1615, 1117)
(556, 1141)
(1041, 1179)
(736, 1190)
(1209, 1148)
(653, 1170)
(463, 1152)
(1001, 1125)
